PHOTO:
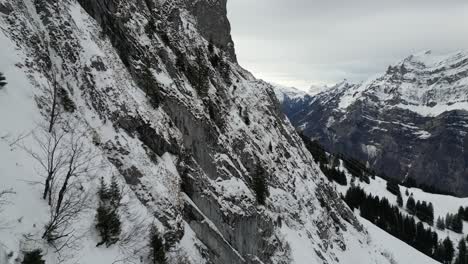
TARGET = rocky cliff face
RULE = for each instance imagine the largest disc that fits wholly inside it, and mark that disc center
(409, 122)
(181, 124)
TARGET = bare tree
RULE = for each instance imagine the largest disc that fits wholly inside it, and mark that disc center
(51, 156)
(66, 193)
(65, 162)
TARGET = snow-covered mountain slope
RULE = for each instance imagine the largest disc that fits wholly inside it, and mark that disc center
(316, 89)
(442, 205)
(408, 122)
(392, 247)
(136, 91)
(424, 83)
(291, 93)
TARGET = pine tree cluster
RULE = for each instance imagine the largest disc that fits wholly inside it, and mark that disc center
(388, 217)
(334, 175)
(445, 251)
(392, 187)
(320, 157)
(463, 212)
(410, 182)
(317, 151)
(454, 222)
(107, 218)
(357, 169)
(423, 210)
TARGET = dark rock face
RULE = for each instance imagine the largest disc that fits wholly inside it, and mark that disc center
(376, 123)
(186, 141)
(213, 23)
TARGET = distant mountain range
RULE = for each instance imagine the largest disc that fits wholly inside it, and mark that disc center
(409, 122)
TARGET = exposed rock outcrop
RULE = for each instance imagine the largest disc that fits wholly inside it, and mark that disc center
(185, 127)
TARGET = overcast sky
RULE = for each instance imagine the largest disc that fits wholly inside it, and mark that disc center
(304, 42)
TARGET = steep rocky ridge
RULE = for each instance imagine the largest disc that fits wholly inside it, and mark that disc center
(181, 123)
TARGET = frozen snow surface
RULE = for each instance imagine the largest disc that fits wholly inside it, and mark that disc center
(443, 205)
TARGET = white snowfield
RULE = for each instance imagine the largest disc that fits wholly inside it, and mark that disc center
(394, 248)
(442, 204)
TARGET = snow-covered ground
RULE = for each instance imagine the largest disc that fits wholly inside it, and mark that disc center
(442, 204)
(289, 92)
(394, 248)
(25, 214)
(309, 231)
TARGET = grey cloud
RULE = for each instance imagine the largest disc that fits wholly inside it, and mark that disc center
(302, 42)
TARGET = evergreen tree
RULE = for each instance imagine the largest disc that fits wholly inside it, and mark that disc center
(418, 210)
(2, 81)
(410, 205)
(449, 250)
(107, 218)
(392, 186)
(457, 224)
(156, 244)
(431, 214)
(389, 218)
(448, 221)
(314, 147)
(399, 200)
(440, 223)
(33, 257)
(103, 191)
(439, 253)
(260, 186)
(461, 258)
(115, 194)
(334, 175)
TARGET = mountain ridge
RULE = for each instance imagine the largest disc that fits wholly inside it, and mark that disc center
(161, 103)
(407, 122)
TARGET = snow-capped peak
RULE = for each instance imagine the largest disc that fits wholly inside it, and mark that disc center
(425, 83)
(293, 93)
(316, 89)
(431, 60)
